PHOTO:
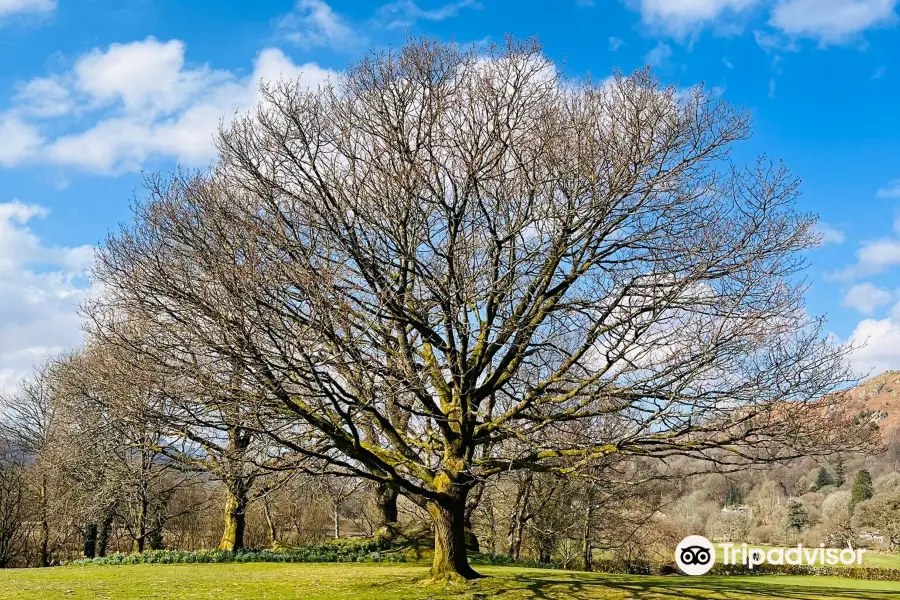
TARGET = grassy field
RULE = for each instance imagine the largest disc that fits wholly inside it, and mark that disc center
(395, 582)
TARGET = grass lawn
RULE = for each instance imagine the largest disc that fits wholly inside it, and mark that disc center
(393, 582)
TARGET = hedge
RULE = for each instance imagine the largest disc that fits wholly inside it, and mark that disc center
(336, 552)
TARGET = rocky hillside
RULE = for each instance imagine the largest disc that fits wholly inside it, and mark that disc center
(880, 395)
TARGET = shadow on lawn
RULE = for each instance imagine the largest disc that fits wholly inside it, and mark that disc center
(682, 588)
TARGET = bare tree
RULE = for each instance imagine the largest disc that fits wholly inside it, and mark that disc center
(12, 506)
(128, 453)
(32, 421)
(206, 421)
(465, 251)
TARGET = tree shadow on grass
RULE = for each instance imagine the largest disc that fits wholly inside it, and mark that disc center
(682, 588)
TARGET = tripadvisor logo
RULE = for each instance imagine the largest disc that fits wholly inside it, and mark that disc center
(696, 555)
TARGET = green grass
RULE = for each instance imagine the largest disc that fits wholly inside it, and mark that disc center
(394, 582)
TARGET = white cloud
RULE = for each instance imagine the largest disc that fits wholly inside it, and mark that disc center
(40, 288)
(878, 342)
(146, 77)
(44, 97)
(872, 258)
(20, 141)
(891, 190)
(143, 102)
(830, 235)
(679, 17)
(313, 23)
(12, 7)
(827, 21)
(404, 13)
(866, 298)
(615, 43)
(659, 55)
(831, 21)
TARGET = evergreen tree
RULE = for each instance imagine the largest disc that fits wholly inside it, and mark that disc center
(862, 488)
(733, 496)
(823, 479)
(797, 517)
(840, 476)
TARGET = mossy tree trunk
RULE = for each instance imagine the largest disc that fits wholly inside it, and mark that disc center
(450, 558)
(140, 538)
(236, 500)
(448, 515)
(386, 495)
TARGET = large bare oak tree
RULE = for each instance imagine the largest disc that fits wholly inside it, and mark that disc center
(446, 265)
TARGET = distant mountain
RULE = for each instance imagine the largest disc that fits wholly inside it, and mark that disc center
(880, 396)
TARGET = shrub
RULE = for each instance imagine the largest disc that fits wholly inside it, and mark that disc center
(342, 551)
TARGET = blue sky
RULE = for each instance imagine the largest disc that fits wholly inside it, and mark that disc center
(92, 92)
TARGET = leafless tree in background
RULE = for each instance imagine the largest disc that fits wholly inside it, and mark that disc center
(444, 252)
(13, 506)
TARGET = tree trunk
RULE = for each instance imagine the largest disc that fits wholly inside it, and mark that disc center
(586, 546)
(235, 517)
(386, 497)
(155, 537)
(44, 553)
(472, 502)
(336, 515)
(103, 533)
(273, 530)
(141, 537)
(90, 540)
(518, 517)
(450, 560)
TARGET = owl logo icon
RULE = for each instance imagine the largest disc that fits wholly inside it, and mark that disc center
(695, 555)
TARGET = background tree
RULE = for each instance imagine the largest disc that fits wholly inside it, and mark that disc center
(117, 409)
(840, 475)
(203, 417)
(862, 488)
(797, 519)
(881, 514)
(12, 506)
(33, 422)
(823, 479)
(465, 252)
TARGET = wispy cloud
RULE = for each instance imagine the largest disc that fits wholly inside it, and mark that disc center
(872, 258)
(866, 298)
(313, 23)
(659, 55)
(891, 190)
(831, 21)
(404, 13)
(825, 21)
(830, 235)
(33, 7)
